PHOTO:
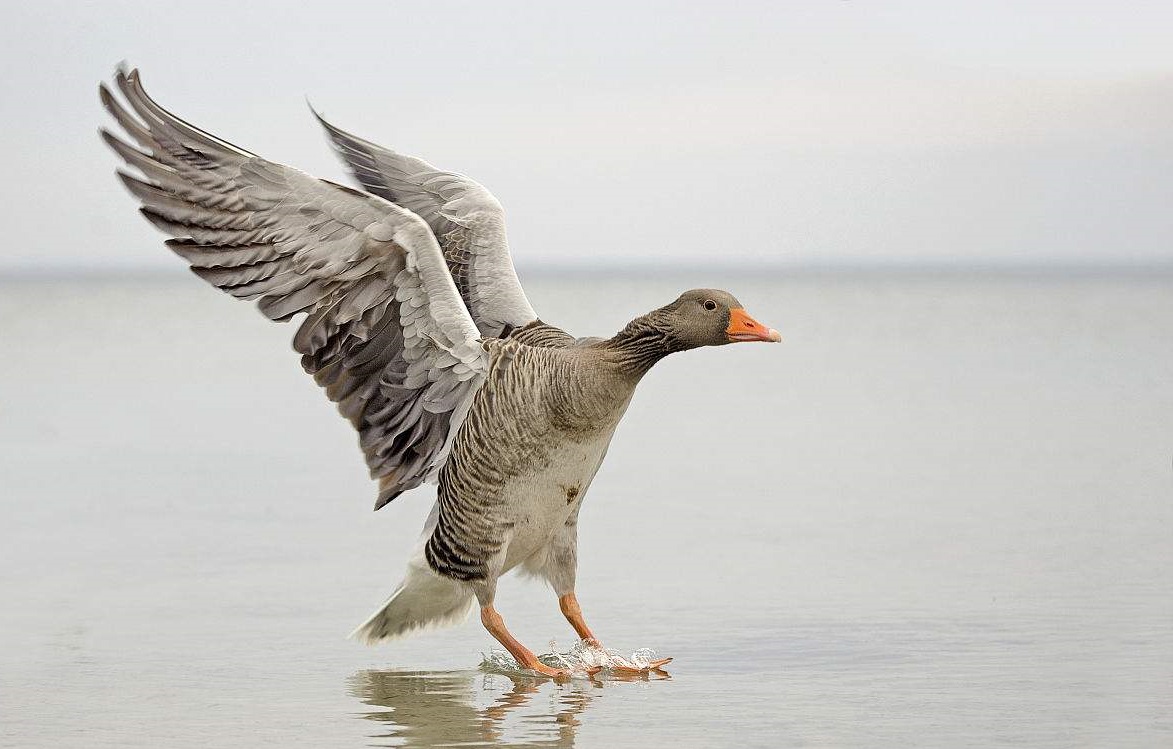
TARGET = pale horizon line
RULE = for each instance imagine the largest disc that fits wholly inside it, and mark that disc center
(644, 268)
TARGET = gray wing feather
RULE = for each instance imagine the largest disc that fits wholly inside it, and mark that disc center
(386, 334)
(467, 220)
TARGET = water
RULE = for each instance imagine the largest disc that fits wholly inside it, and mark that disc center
(939, 514)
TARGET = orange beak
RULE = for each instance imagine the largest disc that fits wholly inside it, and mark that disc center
(742, 327)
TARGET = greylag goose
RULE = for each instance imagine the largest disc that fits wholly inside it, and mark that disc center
(417, 328)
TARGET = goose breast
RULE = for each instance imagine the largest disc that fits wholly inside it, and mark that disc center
(524, 458)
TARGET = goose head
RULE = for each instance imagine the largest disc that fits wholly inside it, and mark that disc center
(710, 317)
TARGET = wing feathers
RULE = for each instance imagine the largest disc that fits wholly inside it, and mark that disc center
(465, 217)
(386, 334)
(205, 256)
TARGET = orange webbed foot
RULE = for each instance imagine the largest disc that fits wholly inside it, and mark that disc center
(623, 670)
(557, 674)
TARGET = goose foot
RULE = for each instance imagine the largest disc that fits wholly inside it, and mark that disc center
(657, 665)
(560, 675)
(557, 674)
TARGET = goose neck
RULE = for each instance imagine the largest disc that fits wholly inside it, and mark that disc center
(640, 344)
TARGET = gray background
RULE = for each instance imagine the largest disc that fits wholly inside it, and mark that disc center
(814, 133)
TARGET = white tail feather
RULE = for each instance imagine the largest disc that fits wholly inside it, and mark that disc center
(424, 600)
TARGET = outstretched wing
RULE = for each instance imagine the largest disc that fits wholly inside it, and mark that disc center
(387, 334)
(467, 220)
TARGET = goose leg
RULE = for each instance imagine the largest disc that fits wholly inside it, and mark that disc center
(525, 657)
(568, 602)
(560, 567)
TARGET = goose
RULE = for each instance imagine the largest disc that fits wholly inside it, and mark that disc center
(416, 326)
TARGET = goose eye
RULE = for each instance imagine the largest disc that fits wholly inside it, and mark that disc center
(710, 305)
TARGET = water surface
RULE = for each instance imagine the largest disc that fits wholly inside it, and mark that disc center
(939, 514)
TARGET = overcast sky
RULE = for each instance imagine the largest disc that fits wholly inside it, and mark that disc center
(822, 132)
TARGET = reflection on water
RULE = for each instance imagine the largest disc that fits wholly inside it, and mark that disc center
(433, 708)
(442, 708)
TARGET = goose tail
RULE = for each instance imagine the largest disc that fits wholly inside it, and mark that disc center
(424, 600)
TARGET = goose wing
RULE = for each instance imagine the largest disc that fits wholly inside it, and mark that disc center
(465, 217)
(386, 332)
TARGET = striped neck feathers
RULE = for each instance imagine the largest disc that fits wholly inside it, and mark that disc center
(643, 342)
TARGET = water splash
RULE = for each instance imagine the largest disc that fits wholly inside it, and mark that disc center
(578, 660)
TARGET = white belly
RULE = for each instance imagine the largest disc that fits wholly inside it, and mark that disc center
(540, 503)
